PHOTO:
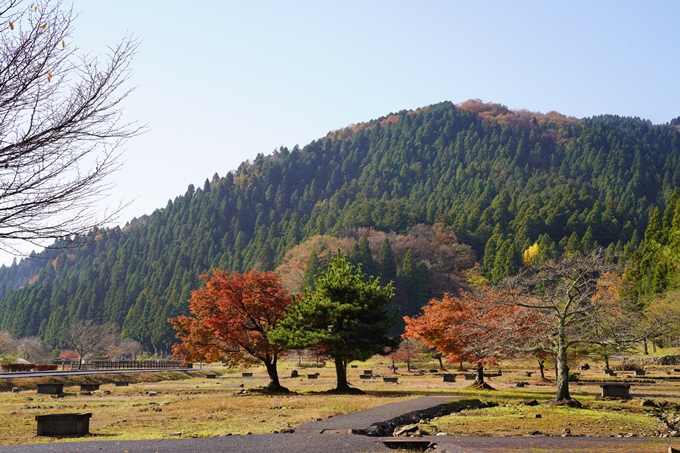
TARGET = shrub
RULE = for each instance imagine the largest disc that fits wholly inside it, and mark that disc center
(45, 367)
(17, 367)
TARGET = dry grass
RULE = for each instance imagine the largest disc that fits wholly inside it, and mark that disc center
(195, 406)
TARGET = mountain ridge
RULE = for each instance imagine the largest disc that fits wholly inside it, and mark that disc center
(502, 179)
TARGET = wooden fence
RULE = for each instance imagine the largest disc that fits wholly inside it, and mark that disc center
(135, 365)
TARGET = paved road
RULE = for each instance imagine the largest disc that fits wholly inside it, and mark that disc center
(364, 419)
(344, 443)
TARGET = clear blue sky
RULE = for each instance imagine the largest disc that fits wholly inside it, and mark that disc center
(219, 82)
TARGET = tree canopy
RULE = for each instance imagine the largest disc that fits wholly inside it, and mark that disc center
(346, 318)
(230, 319)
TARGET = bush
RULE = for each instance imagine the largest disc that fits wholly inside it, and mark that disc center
(23, 367)
(45, 367)
(17, 367)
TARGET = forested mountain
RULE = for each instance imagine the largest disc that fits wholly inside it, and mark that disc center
(501, 179)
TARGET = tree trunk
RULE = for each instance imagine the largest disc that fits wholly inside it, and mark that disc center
(460, 367)
(408, 364)
(441, 364)
(341, 372)
(541, 368)
(479, 380)
(606, 361)
(273, 372)
(644, 347)
(562, 382)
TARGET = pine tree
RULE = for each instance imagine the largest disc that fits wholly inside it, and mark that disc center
(346, 318)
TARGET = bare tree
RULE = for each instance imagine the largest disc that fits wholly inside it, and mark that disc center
(127, 348)
(7, 343)
(61, 125)
(32, 349)
(86, 337)
(563, 290)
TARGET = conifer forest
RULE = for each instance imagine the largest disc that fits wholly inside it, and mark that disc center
(435, 200)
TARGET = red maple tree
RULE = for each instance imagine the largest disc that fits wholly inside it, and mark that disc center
(230, 319)
(481, 327)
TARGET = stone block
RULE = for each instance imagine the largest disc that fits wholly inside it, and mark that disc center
(63, 424)
(51, 389)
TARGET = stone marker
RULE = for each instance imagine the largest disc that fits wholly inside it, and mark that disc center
(211, 376)
(294, 373)
(15, 389)
(639, 372)
(391, 380)
(312, 376)
(368, 372)
(354, 366)
(615, 390)
(528, 373)
(51, 389)
(63, 424)
(89, 387)
(246, 374)
(122, 384)
(365, 376)
(470, 377)
(449, 378)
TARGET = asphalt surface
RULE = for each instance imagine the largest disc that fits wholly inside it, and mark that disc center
(344, 443)
(364, 419)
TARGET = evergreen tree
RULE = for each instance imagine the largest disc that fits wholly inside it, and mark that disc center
(387, 264)
(311, 270)
(346, 318)
(266, 258)
(361, 256)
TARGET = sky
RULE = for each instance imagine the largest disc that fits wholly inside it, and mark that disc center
(219, 82)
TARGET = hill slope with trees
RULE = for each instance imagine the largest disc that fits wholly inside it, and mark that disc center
(503, 180)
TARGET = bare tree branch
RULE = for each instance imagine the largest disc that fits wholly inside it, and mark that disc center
(563, 290)
(61, 126)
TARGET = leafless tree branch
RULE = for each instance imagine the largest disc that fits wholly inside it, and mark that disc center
(61, 126)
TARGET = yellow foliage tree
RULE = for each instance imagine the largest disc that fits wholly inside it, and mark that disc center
(530, 254)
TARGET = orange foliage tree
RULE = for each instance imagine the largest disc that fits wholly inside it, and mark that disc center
(482, 326)
(230, 319)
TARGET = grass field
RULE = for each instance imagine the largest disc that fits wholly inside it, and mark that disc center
(190, 405)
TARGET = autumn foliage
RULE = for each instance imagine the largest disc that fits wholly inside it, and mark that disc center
(478, 327)
(229, 320)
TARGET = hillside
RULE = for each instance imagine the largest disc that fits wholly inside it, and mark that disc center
(501, 179)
